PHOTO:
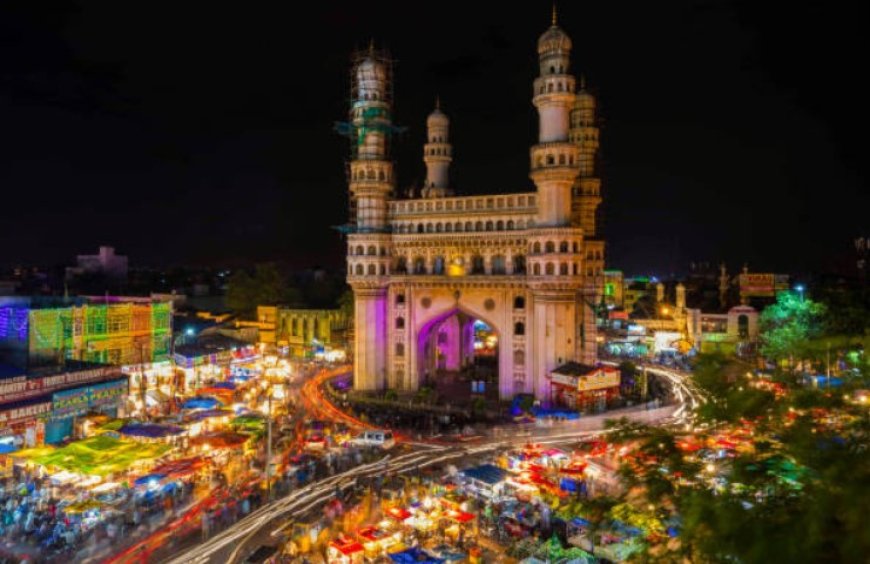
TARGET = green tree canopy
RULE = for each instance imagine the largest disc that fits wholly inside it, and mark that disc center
(788, 326)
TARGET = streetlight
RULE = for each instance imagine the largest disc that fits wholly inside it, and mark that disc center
(800, 290)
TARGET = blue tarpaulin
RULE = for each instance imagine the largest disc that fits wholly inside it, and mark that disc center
(224, 385)
(201, 403)
(487, 473)
(149, 479)
(413, 555)
(150, 430)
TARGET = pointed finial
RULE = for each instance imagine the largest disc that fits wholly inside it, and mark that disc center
(437, 102)
(555, 18)
(372, 46)
(582, 81)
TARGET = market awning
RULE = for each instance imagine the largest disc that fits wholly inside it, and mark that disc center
(150, 430)
(459, 516)
(180, 468)
(149, 479)
(414, 555)
(201, 403)
(209, 413)
(347, 548)
(97, 456)
(398, 513)
(220, 440)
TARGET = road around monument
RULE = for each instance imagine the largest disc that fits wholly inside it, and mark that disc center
(261, 526)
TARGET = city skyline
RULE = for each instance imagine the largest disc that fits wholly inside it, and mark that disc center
(182, 143)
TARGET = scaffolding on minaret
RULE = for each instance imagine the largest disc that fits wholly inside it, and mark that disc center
(365, 115)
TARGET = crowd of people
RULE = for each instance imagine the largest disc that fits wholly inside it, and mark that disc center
(43, 522)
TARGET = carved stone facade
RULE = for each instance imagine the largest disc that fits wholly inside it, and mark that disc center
(529, 265)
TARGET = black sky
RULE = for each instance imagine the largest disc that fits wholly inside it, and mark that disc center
(202, 132)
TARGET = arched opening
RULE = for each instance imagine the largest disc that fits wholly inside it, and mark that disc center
(519, 302)
(519, 264)
(456, 347)
(563, 247)
(499, 265)
(419, 265)
(550, 247)
(519, 328)
(536, 269)
(477, 265)
(402, 268)
(550, 269)
(438, 265)
(743, 326)
(400, 323)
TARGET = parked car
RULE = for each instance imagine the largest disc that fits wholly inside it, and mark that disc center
(379, 438)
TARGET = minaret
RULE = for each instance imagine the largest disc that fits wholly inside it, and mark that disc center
(371, 168)
(555, 160)
(437, 154)
(587, 187)
(369, 244)
(563, 326)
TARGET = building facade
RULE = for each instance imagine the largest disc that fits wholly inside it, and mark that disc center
(427, 271)
(302, 331)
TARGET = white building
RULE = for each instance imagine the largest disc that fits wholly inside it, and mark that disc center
(425, 270)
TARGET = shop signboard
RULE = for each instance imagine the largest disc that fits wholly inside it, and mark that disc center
(77, 402)
(600, 379)
(107, 392)
(20, 387)
(757, 285)
(25, 413)
(69, 403)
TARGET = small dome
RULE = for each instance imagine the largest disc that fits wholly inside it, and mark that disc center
(584, 99)
(371, 70)
(554, 40)
(437, 118)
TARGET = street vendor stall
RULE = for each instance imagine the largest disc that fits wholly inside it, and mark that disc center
(97, 456)
(151, 432)
(344, 551)
(377, 541)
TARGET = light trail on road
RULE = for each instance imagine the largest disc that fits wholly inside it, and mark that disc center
(436, 452)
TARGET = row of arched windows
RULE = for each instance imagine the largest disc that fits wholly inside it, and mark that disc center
(550, 160)
(550, 269)
(371, 251)
(459, 226)
(498, 265)
(594, 255)
(369, 174)
(561, 86)
(371, 270)
(438, 151)
(550, 247)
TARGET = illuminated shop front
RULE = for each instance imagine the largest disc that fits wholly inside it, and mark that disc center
(579, 386)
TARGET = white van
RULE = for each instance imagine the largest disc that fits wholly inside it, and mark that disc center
(378, 437)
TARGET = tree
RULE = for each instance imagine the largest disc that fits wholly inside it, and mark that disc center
(267, 286)
(788, 325)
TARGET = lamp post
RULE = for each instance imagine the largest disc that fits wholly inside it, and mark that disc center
(269, 443)
(800, 290)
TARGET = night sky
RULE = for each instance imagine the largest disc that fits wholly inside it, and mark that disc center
(201, 133)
